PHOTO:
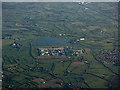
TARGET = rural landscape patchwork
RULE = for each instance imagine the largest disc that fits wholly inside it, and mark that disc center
(60, 45)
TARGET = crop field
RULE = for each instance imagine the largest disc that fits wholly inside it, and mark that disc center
(78, 47)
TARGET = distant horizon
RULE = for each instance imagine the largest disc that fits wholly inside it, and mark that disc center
(59, 0)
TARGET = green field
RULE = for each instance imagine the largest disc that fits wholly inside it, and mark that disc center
(24, 23)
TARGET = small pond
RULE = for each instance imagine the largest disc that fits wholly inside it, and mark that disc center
(51, 41)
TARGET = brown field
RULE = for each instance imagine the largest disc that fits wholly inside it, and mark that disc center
(104, 29)
(114, 22)
(39, 80)
(77, 63)
(52, 83)
(93, 27)
(22, 25)
(77, 23)
(47, 57)
(18, 29)
(13, 29)
(84, 29)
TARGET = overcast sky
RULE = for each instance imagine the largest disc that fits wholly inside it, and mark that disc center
(59, 0)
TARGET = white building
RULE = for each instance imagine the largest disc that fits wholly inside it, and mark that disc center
(82, 39)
